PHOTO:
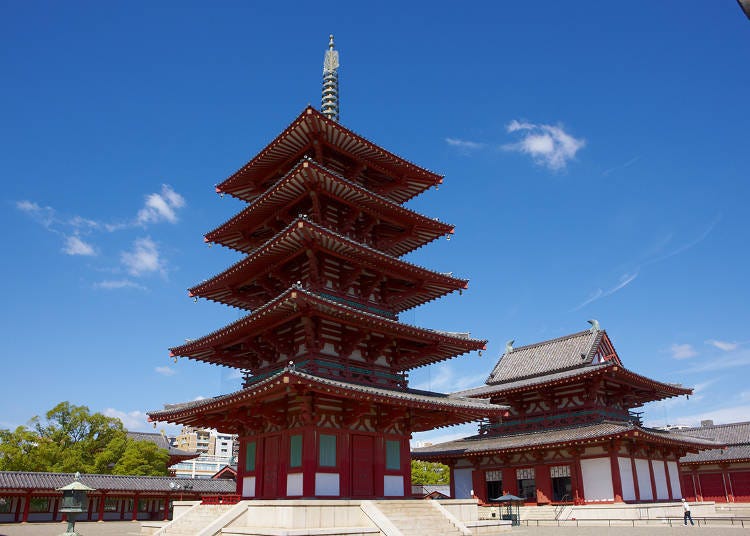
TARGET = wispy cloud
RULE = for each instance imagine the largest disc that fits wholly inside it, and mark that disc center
(723, 345)
(548, 146)
(656, 257)
(76, 246)
(161, 206)
(143, 259)
(682, 351)
(131, 420)
(465, 145)
(443, 377)
(624, 281)
(727, 361)
(626, 165)
(166, 371)
(118, 284)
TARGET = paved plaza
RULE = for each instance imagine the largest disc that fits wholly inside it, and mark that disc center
(126, 528)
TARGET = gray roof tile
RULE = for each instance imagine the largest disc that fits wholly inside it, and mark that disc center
(570, 351)
(51, 481)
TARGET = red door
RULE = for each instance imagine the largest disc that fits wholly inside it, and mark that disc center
(362, 466)
(741, 486)
(271, 467)
(686, 483)
(712, 486)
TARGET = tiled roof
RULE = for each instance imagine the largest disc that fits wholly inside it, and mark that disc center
(481, 444)
(735, 438)
(487, 390)
(465, 409)
(14, 480)
(736, 433)
(567, 352)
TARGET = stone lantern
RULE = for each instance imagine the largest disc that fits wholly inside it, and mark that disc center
(75, 501)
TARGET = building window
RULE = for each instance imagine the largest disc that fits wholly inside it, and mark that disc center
(5, 504)
(393, 455)
(494, 481)
(561, 483)
(39, 504)
(526, 483)
(327, 450)
(250, 457)
(111, 505)
(295, 451)
(143, 505)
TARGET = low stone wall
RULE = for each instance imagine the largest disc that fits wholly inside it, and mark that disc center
(639, 511)
(303, 514)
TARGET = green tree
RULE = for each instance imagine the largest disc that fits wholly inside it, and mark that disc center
(142, 458)
(429, 473)
(71, 439)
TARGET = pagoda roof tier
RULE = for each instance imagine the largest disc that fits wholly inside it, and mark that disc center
(576, 436)
(428, 410)
(250, 282)
(398, 232)
(641, 389)
(407, 346)
(340, 149)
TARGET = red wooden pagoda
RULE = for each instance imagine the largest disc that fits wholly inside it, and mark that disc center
(325, 410)
(571, 434)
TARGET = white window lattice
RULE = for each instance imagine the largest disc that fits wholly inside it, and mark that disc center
(493, 476)
(558, 471)
(525, 474)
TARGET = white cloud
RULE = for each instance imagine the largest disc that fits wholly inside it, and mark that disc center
(548, 145)
(723, 345)
(443, 378)
(723, 415)
(735, 360)
(143, 259)
(161, 206)
(682, 351)
(624, 281)
(45, 216)
(166, 371)
(118, 284)
(76, 246)
(131, 420)
(464, 144)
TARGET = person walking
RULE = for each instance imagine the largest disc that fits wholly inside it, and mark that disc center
(686, 509)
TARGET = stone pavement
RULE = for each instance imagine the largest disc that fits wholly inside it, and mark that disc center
(128, 528)
(108, 528)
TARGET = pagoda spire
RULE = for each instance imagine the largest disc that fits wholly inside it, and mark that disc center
(330, 100)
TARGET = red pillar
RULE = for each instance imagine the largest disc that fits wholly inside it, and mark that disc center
(406, 465)
(134, 516)
(633, 468)
(379, 466)
(102, 500)
(543, 484)
(345, 462)
(728, 491)
(309, 462)
(18, 509)
(26, 506)
(614, 450)
(579, 493)
(510, 483)
(669, 479)
(166, 508)
(478, 483)
(651, 474)
(55, 508)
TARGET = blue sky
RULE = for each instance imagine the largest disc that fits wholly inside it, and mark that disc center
(596, 161)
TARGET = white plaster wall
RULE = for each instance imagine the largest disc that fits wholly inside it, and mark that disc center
(327, 484)
(626, 477)
(644, 479)
(294, 485)
(597, 479)
(674, 480)
(660, 477)
(393, 486)
(248, 486)
(462, 479)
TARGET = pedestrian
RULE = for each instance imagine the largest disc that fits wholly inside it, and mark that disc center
(686, 508)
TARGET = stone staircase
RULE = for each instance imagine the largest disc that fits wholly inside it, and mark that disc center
(419, 518)
(541, 514)
(195, 520)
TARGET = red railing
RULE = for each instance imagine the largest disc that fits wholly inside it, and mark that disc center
(220, 499)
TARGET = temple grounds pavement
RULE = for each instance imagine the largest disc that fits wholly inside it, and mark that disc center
(127, 528)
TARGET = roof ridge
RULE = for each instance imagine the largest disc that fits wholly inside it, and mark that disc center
(556, 339)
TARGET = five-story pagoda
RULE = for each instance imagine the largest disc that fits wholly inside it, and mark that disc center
(325, 409)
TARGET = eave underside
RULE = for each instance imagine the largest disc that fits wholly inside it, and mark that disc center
(339, 149)
(306, 251)
(328, 198)
(292, 398)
